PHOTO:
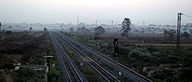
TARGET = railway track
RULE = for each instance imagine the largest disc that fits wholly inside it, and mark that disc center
(134, 75)
(67, 66)
(105, 74)
(117, 64)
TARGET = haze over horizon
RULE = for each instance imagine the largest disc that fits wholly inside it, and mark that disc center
(104, 11)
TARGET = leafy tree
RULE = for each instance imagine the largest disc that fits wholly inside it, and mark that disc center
(165, 32)
(190, 31)
(30, 28)
(126, 27)
(45, 29)
(71, 29)
(169, 34)
(8, 32)
(82, 29)
(99, 30)
(185, 34)
(9, 26)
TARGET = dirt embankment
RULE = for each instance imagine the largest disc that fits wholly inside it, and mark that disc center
(24, 48)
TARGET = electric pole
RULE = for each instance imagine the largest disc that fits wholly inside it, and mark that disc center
(96, 23)
(77, 18)
(143, 22)
(178, 30)
(0, 30)
(46, 67)
(112, 25)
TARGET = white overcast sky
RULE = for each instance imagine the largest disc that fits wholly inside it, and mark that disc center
(65, 11)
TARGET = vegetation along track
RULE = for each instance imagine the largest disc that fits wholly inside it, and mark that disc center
(67, 67)
(105, 74)
(133, 74)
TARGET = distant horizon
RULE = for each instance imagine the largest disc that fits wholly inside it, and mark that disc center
(88, 11)
(93, 24)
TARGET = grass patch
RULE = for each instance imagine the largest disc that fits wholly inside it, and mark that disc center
(91, 77)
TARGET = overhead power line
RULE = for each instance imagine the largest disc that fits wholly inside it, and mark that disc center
(187, 16)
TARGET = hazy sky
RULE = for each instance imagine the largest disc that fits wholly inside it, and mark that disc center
(65, 11)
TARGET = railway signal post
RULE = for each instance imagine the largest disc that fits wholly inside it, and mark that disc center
(116, 47)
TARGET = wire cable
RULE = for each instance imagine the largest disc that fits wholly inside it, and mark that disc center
(188, 16)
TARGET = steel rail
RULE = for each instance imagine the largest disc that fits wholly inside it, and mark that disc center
(99, 69)
(113, 62)
(69, 64)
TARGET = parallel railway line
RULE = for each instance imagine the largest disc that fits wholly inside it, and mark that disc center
(106, 75)
(65, 62)
(136, 76)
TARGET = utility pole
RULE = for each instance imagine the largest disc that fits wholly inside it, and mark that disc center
(178, 30)
(46, 67)
(77, 18)
(112, 25)
(143, 22)
(96, 23)
(0, 30)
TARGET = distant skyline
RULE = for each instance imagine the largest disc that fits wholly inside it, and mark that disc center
(104, 11)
